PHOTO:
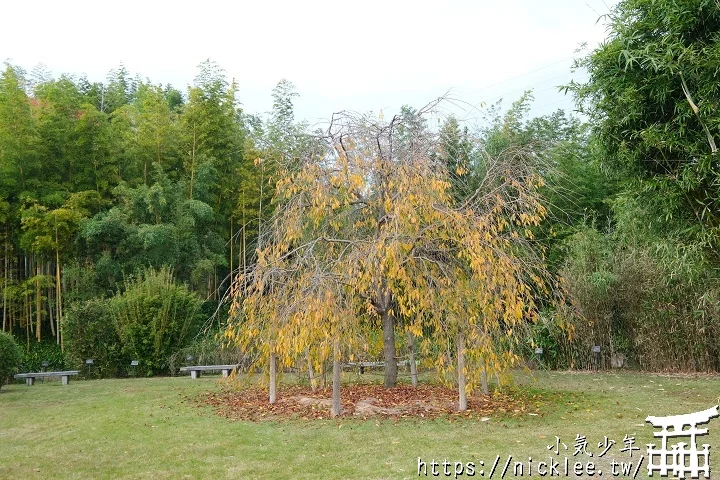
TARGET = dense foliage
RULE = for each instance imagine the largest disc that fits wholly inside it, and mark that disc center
(653, 101)
(100, 181)
(374, 233)
(10, 357)
(35, 358)
(645, 284)
(154, 316)
(92, 334)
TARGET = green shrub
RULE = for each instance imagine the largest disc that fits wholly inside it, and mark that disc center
(155, 317)
(590, 284)
(90, 332)
(653, 299)
(553, 333)
(10, 357)
(44, 352)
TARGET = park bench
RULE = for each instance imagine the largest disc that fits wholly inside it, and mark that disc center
(196, 369)
(30, 377)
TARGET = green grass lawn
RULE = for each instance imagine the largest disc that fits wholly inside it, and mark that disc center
(147, 428)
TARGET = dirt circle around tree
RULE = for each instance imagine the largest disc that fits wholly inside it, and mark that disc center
(362, 402)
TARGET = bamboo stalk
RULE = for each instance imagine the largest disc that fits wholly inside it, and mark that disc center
(38, 301)
(51, 316)
(6, 273)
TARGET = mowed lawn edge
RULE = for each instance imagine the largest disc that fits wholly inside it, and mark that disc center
(159, 428)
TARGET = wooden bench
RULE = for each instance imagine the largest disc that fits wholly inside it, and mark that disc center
(30, 377)
(196, 369)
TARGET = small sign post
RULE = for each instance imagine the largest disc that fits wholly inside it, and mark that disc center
(134, 365)
(89, 362)
(596, 353)
(539, 354)
(44, 366)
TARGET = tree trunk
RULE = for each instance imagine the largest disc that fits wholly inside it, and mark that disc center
(58, 293)
(50, 302)
(61, 286)
(27, 322)
(336, 409)
(324, 373)
(391, 370)
(273, 378)
(462, 393)
(413, 364)
(311, 372)
(484, 380)
(38, 300)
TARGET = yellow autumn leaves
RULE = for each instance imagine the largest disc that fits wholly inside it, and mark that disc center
(367, 223)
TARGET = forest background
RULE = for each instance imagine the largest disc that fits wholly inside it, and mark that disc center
(126, 206)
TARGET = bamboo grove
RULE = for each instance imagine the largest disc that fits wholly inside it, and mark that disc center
(422, 237)
(98, 180)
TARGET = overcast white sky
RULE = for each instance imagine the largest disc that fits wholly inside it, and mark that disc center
(370, 55)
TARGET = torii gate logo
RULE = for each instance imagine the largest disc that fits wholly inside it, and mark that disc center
(679, 460)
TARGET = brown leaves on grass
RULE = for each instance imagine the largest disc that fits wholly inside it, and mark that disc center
(362, 401)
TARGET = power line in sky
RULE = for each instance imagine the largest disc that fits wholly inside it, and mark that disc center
(521, 75)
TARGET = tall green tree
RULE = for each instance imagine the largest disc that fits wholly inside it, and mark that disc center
(456, 151)
(59, 104)
(119, 90)
(92, 163)
(156, 131)
(18, 135)
(211, 133)
(652, 96)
